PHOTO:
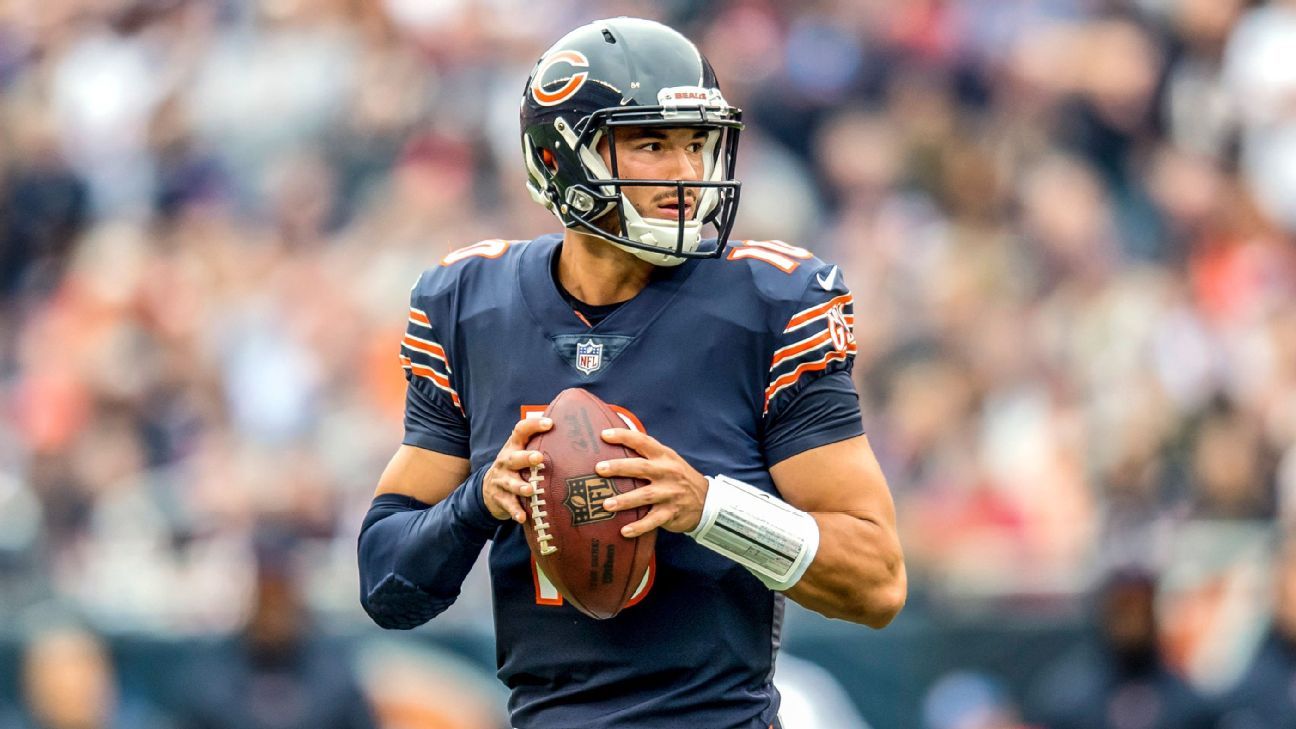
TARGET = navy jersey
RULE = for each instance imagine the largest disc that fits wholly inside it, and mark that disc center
(711, 358)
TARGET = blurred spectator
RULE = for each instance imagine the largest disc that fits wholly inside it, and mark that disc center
(1231, 469)
(812, 698)
(1199, 108)
(969, 700)
(418, 686)
(1119, 680)
(1264, 697)
(43, 207)
(279, 673)
(69, 682)
(1261, 70)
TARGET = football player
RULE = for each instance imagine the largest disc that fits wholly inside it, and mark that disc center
(730, 362)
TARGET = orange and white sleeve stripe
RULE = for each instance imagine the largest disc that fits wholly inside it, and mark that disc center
(421, 356)
(823, 334)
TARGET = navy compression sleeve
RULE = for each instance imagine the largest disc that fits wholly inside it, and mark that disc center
(414, 557)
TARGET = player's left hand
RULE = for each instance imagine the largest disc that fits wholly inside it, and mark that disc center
(674, 489)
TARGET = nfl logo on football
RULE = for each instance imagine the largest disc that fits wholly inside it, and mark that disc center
(589, 356)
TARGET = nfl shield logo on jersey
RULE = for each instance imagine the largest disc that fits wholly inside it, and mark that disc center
(589, 356)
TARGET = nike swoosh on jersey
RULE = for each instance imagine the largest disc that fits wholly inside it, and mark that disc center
(827, 283)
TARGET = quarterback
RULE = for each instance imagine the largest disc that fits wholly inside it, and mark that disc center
(730, 363)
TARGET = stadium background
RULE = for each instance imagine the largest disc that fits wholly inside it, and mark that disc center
(1068, 225)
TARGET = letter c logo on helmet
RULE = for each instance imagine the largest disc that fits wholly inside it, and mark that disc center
(576, 59)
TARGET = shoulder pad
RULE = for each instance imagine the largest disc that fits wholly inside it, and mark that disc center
(478, 259)
(781, 272)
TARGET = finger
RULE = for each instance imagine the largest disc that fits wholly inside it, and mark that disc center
(519, 460)
(510, 505)
(502, 505)
(496, 509)
(513, 485)
(642, 496)
(642, 443)
(524, 430)
(656, 518)
(628, 468)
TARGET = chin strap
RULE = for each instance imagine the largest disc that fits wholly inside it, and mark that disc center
(659, 258)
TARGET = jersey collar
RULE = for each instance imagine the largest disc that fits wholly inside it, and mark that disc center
(554, 316)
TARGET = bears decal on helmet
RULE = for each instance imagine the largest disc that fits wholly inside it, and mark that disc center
(572, 84)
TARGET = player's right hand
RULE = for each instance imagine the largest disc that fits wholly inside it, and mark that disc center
(503, 485)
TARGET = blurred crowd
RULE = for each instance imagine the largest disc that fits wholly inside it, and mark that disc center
(1069, 226)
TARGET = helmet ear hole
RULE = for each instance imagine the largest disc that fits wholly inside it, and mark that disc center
(547, 157)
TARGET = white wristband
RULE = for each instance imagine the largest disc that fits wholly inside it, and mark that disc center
(772, 539)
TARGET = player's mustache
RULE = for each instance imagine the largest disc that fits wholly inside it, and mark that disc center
(670, 198)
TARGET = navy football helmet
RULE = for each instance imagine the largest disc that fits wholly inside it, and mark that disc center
(627, 72)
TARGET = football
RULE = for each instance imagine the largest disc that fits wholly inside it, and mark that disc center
(576, 543)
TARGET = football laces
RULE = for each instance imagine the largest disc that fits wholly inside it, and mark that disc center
(538, 513)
